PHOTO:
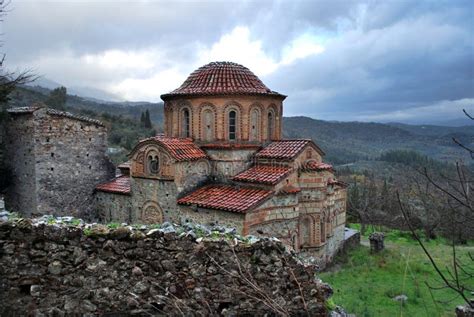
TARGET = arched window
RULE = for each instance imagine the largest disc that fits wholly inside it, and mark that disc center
(305, 231)
(208, 125)
(232, 125)
(254, 125)
(323, 230)
(153, 164)
(271, 125)
(185, 124)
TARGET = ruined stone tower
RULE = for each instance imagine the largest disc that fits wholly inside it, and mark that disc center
(56, 159)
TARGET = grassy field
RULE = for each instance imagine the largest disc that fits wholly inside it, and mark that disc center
(365, 284)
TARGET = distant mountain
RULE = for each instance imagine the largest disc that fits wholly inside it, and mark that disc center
(90, 93)
(435, 130)
(27, 95)
(346, 142)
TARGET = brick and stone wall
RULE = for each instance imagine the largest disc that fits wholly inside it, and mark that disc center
(249, 128)
(58, 271)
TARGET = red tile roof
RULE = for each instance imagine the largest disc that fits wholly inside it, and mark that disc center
(283, 149)
(119, 185)
(264, 174)
(222, 78)
(182, 149)
(311, 165)
(225, 197)
(228, 145)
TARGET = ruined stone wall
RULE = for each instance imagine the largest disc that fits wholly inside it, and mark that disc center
(70, 161)
(57, 271)
(20, 158)
(56, 161)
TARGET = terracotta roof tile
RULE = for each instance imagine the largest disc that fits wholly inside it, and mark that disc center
(182, 149)
(283, 149)
(316, 166)
(222, 78)
(226, 197)
(264, 174)
(119, 185)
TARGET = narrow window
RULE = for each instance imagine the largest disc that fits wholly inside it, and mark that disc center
(186, 132)
(270, 126)
(232, 125)
(323, 230)
(52, 154)
(153, 164)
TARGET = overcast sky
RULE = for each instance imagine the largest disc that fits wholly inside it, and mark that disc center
(410, 61)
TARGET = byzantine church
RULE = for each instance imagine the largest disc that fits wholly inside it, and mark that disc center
(222, 160)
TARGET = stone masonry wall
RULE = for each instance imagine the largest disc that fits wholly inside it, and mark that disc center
(19, 143)
(70, 160)
(59, 271)
(56, 162)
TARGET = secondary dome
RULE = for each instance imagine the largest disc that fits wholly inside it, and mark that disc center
(222, 78)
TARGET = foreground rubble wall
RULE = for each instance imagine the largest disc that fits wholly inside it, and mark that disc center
(48, 270)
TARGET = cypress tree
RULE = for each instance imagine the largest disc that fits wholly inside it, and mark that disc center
(147, 120)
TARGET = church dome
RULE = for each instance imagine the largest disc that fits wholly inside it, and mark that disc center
(222, 78)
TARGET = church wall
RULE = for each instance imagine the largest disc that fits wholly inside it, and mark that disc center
(191, 174)
(114, 207)
(226, 163)
(207, 216)
(160, 192)
(277, 217)
(219, 106)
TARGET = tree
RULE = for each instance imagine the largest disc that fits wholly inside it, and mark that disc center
(148, 124)
(142, 119)
(456, 190)
(57, 98)
(8, 82)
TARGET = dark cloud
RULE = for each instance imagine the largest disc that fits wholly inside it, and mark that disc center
(380, 57)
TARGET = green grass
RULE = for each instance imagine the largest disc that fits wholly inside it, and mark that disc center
(365, 283)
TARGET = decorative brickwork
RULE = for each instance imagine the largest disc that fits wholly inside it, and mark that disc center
(222, 160)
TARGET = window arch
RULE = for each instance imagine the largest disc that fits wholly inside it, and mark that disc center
(207, 125)
(322, 225)
(307, 231)
(254, 124)
(232, 125)
(153, 164)
(185, 123)
(271, 125)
